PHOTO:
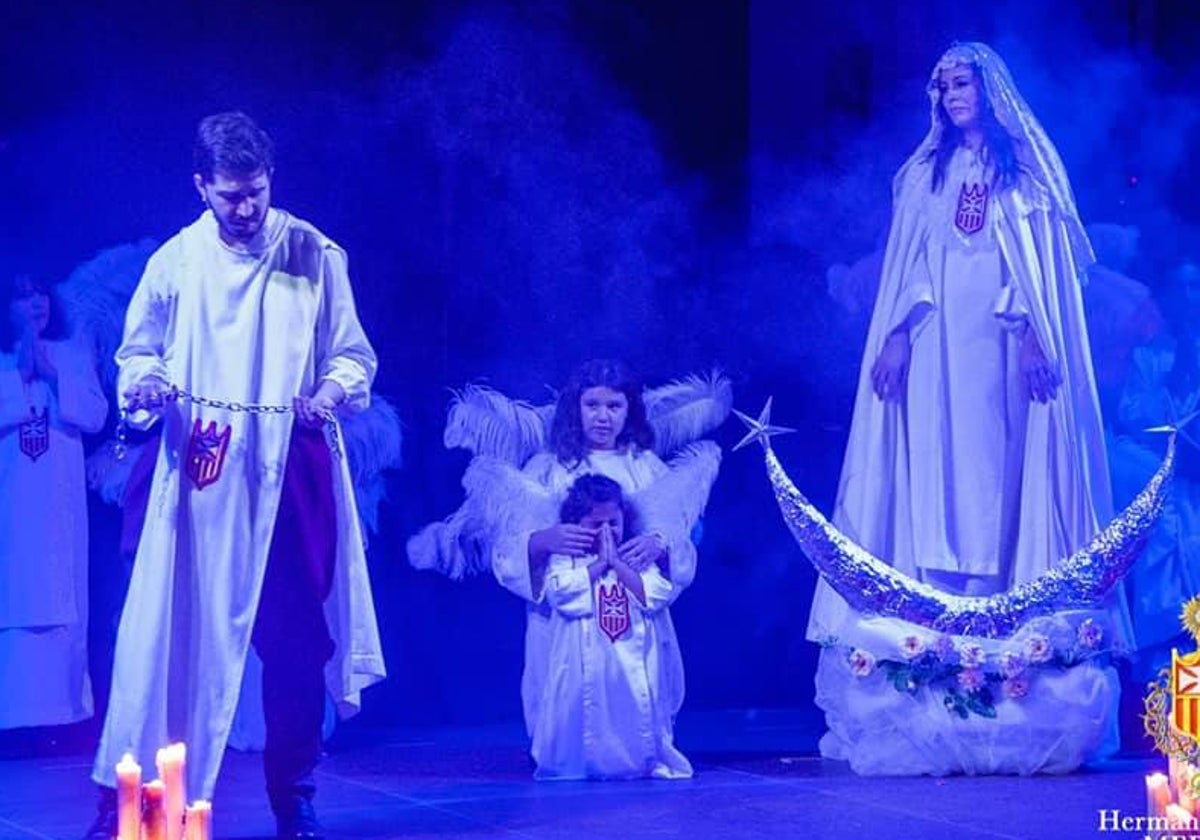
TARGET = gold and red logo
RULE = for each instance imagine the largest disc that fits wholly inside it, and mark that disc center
(1185, 692)
(1172, 717)
(206, 453)
(614, 610)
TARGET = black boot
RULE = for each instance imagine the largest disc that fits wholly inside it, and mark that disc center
(295, 817)
(105, 825)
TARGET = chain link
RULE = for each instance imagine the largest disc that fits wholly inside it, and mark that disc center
(227, 405)
(175, 394)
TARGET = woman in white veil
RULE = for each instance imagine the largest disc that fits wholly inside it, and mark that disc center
(976, 454)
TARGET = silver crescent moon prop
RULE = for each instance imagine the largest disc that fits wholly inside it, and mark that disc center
(871, 586)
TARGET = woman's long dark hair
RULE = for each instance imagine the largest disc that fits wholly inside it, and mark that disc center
(18, 287)
(566, 433)
(999, 149)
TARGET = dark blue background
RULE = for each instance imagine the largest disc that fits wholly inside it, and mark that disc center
(522, 186)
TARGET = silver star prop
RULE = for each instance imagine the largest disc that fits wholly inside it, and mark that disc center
(873, 587)
(761, 429)
(1177, 427)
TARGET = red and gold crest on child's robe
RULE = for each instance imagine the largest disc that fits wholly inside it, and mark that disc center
(613, 610)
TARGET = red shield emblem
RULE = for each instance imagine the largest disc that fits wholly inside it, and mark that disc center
(972, 208)
(1185, 692)
(613, 610)
(34, 434)
(206, 453)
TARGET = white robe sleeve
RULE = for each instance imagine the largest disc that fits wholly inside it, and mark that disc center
(14, 407)
(681, 551)
(906, 296)
(345, 356)
(1011, 309)
(510, 548)
(569, 588)
(140, 356)
(510, 564)
(660, 592)
(81, 401)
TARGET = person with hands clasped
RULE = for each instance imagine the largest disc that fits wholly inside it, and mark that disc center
(602, 713)
(50, 398)
(526, 460)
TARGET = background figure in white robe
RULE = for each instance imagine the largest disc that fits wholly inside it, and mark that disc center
(49, 397)
(1163, 386)
(603, 422)
(976, 454)
(604, 713)
(251, 532)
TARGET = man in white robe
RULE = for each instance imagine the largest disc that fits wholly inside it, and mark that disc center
(251, 532)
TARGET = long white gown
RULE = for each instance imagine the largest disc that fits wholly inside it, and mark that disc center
(967, 485)
(257, 327)
(605, 711)
(44, 546)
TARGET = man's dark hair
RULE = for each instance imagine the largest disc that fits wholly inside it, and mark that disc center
(232, 143)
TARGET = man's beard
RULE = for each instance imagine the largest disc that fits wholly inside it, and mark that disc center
(245, 232)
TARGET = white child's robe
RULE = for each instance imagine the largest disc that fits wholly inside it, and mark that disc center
(635, 470)
(603, 712)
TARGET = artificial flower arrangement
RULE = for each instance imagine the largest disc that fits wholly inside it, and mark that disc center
(971, 679)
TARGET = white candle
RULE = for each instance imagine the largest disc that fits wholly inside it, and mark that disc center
(129, 798)
(1179, 820)
(154, 818)
(171, 761)
(199, 821)
(1181, 783)
(1158, 795)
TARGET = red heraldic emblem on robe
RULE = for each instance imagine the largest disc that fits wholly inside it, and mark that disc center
(1185, 692)
(206, 453)
(35, 434)
(613, 610)
(972, 208)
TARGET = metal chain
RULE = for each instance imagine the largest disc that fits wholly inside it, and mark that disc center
(227, 405)
(176, 393)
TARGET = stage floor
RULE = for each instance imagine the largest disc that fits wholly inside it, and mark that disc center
(757, 777)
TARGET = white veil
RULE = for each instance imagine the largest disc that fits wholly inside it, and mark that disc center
(1034, 149)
